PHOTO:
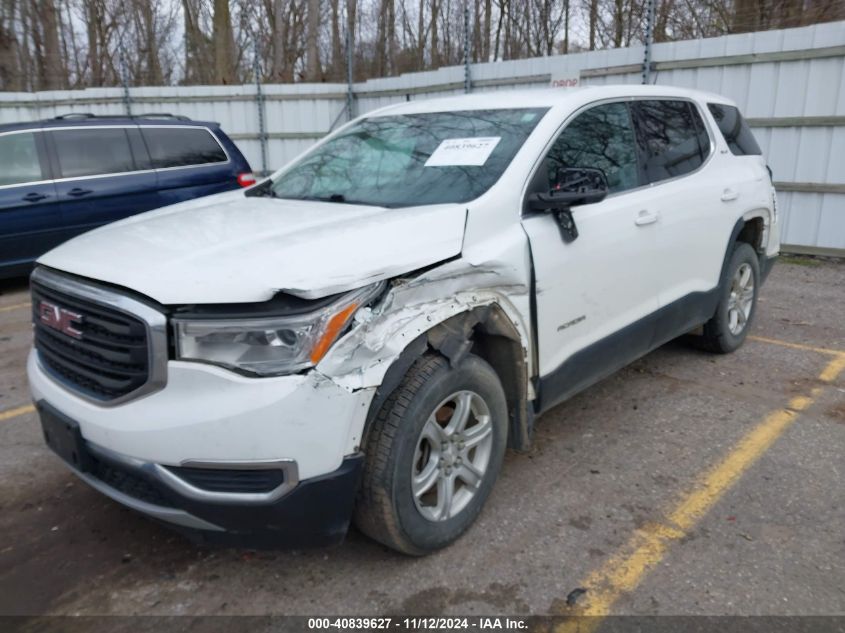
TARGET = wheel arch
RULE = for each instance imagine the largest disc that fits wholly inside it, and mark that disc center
(486, 331)
(752, 229)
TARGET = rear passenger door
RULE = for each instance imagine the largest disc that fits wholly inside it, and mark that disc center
(685, 190)
(190, 162)
(101, 175)
(30, 220)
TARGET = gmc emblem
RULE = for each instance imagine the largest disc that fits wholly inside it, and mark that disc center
(59, 319)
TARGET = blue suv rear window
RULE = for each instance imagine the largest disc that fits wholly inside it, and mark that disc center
(182, 146)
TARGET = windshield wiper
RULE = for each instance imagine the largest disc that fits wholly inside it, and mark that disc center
(262, 190)
(335, 197)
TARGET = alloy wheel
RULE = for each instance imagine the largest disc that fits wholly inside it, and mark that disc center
(452, 455)
(740, 299)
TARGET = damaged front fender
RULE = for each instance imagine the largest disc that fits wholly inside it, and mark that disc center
(413, 307)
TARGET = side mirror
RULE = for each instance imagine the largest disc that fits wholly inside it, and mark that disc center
(571, 187)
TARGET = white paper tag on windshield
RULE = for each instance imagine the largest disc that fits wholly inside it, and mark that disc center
(457, 152)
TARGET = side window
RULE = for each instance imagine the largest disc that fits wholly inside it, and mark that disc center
(735, 130)
(600, 138)
(669, 134)
(19, 159)
(92, 152)
(180, 147)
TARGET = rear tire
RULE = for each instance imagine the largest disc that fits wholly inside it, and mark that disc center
(433, 454)
(726, 331)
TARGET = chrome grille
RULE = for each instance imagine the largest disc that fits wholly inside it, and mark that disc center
(97, 347)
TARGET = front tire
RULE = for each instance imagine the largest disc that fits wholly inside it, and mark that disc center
(433, 454)
(726, 331)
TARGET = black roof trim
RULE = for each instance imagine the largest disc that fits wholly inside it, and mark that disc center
(149, 115)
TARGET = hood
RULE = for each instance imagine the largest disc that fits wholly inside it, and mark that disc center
(230, 248)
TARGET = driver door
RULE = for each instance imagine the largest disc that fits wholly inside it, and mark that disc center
(594, 295)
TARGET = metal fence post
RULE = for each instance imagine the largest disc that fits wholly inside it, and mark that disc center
(649, 41)
(467, 77)
(259, 101)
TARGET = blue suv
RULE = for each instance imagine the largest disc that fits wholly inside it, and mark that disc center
(64, 176)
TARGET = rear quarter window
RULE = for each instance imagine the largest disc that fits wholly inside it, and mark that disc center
(182, 147)
(672, 138)
(734, 128)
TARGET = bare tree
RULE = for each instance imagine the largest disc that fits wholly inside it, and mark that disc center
(52, 73)
(224, 44)
(312, 56)
(52, 44)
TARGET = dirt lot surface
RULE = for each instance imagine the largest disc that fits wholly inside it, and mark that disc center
(685, 484)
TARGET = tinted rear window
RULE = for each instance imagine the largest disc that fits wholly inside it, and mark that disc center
(735, 130)
(180, 147)
(672, 138)
(19, 159)
(93, 151)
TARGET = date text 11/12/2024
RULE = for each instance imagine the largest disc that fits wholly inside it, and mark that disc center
(417, 624)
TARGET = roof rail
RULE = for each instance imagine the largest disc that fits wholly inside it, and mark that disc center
(161, 115)
(149, 115)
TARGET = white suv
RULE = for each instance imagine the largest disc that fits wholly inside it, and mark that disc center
(362, 335)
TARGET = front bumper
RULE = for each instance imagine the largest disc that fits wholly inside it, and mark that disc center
(208, 414)
(208, 418)
(315, 512)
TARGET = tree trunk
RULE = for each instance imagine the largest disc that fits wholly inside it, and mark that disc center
(485, 48)
(421, 36)
(381, 47)
(435, 53)
(150, 45)
(566, 27)
(662, 20)
(337, 51)
(10, 67)
(618, 23)
(224, 44)
(278, 25)
(312, 49)
(746, 16)
(351, 24)
(594, 18)
(392, 52)
(51, 69)
(502, 9)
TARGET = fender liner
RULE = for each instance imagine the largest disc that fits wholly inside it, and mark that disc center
(454, 339)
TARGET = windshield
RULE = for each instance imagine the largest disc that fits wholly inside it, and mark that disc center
(411, 159)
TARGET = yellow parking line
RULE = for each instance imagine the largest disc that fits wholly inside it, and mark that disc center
(13, 413)
(833, 369)
(646, 548)
(808, 348)
(16, 306)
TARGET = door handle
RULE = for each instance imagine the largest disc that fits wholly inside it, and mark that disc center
(729, 194)
(34, 197)
(76, 192)
(646, 217)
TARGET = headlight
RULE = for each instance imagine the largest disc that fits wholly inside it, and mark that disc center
(269, 346)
